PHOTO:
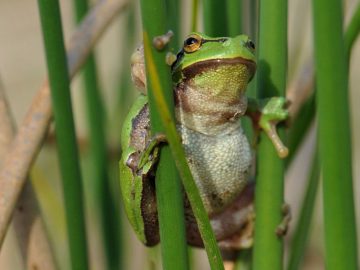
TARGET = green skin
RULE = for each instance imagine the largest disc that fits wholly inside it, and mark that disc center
(210, 79)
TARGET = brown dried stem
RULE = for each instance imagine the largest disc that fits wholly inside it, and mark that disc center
(27, 222)
(29, 138)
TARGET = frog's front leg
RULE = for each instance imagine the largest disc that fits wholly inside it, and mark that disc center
(266, 114)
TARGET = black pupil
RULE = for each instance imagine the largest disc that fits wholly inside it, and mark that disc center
(191, 41)
(251, 44)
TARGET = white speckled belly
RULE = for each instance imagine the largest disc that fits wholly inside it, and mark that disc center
(220, 165)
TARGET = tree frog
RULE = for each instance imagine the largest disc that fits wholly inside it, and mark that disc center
(210, 76)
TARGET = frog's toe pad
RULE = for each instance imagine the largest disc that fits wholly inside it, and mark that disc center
(275, 110)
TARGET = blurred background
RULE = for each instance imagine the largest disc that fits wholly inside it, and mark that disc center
(23, 70)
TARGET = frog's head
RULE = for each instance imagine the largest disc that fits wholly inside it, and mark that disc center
(215, 63)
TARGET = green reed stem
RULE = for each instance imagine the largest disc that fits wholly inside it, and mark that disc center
(168, 186)
(155, 61)
(334, 136)
(269, 192)
(234, 18)
(65, 131)
(174, 14)
(306, 115)
(299, 241)
(215, 20)
(352, 32)
(194, 15)
(96, 123)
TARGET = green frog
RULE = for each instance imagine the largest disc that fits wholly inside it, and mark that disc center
(210, 76)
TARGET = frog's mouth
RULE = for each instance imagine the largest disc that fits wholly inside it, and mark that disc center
(212, 64)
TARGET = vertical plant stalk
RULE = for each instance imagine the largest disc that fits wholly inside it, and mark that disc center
(305, 113)
(194, 15)
(65, 131)
(173, 12)
(31, 133)
(27, 222)
(352, 32)
(234, 18)
(269, 191)
(177, 150)
(96, 124)
(178, 153)
(168, 186)
(334, 136)
(215, 21)
(299, 241)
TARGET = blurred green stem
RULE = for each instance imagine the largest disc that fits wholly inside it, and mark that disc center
(299, 241)
(234, 18)
(215, 20)
(194, 15)
(352, 32)
(306, 115)
(173, 13)
(96, 123)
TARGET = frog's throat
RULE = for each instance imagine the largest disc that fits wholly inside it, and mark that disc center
(205, 114)
(191, 71)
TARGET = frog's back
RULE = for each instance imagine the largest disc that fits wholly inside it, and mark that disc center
(137, 189)
(133, 118)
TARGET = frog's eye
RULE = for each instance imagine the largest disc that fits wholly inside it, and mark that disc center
(250, 44)
(192, 43)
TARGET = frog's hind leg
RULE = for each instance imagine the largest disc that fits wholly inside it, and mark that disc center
(228, 223)
(243, 238)
(282, 228)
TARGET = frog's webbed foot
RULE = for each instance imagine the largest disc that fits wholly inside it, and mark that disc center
(150, 155)
(271, 114)
(283, 226)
